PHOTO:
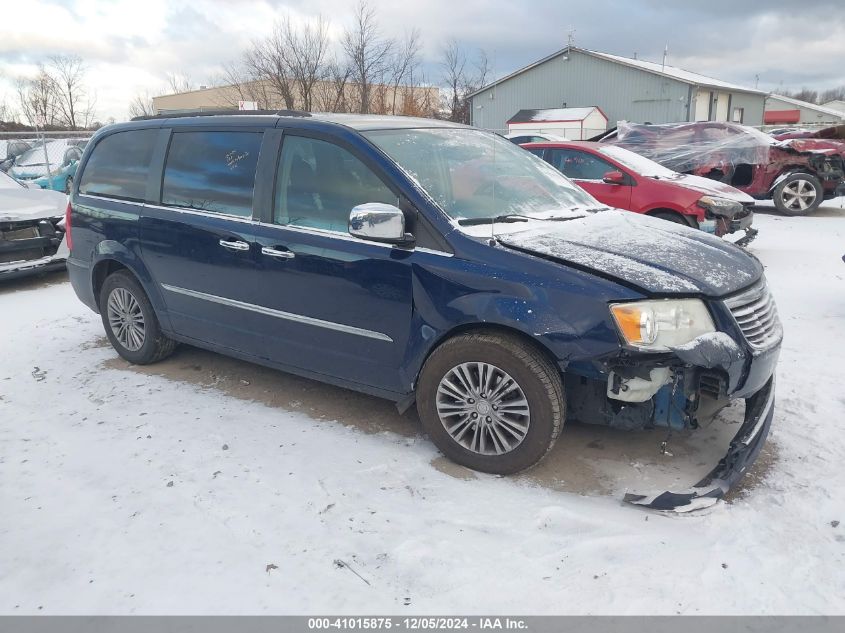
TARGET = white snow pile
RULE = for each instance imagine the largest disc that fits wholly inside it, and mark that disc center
(123, 491)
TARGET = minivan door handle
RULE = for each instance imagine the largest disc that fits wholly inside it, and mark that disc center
(273, 252)
(234, 245)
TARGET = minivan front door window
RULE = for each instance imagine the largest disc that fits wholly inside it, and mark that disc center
(212, 171)
(319, 183)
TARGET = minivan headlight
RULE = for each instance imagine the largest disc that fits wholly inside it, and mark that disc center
(659, 325)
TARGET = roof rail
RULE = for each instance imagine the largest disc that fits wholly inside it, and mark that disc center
(178, 115)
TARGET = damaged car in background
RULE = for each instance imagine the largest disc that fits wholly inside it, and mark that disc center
(622, 179)
(31, 229)
(797, 174)
(424, 262)
(49, 165)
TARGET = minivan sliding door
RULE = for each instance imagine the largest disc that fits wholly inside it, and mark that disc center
(198, 239)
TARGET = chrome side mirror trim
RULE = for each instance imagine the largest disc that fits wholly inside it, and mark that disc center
(378, 222)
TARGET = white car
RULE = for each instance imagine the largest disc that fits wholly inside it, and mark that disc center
(32, 236)
(11, 149)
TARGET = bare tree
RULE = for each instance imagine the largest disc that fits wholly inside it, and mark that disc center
(331, 94)
(179, 82)
(462, 79)
(402, 67)
(245, 85)
(834, 94)
(454, 77)
(266, 61)
(419, 98)
(304, 51)
(290, 67)
(805, 94)
(37, 98)
(74, 108)
(142, 105)
(7, 113)
(367, 52)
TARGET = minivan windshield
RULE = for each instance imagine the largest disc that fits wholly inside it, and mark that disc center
(475, 174)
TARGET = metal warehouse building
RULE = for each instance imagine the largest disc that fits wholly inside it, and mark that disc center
(624, 88)
(783, 110)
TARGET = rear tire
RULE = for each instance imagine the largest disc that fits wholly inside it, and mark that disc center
(130, 322)
(798, 194)
(509, 428)
(68, 185)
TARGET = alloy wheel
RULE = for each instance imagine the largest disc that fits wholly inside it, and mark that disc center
(483, 408)
(798, 195)
(126, 319)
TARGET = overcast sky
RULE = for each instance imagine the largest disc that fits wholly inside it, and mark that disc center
(131, 45)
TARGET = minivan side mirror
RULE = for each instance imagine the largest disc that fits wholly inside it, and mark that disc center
(378, 222)
(614, 178)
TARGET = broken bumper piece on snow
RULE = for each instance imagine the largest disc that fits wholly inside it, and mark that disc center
(743, 450)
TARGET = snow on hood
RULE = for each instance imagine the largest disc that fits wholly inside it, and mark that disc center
(713, 188)
(654, 255)
(31, 204)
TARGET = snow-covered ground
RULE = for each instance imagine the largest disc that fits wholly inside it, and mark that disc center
(127, 490)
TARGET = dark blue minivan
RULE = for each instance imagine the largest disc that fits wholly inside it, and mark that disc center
(425, 262)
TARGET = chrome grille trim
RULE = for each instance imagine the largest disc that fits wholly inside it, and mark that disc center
(756, 314)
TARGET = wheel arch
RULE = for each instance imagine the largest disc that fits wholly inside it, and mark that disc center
(487, 328)
(653, 212)
(101, 271)
(791, 170)
(111, 256)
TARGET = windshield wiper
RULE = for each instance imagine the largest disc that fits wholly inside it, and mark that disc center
(511, 217)
(515, 217)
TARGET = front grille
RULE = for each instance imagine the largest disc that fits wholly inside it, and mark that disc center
(756, 315)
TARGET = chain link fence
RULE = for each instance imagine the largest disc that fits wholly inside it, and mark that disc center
(43, 159)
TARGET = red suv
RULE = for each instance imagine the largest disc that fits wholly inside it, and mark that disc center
(620, 178)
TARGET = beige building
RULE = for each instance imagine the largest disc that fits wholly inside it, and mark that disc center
(326, 97)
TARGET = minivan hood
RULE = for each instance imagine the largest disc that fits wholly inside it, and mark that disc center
(713, 188)
(655, 256)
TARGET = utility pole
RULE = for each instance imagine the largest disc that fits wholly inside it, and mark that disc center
(665, 53)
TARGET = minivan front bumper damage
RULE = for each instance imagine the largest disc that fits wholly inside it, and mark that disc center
(743, 450)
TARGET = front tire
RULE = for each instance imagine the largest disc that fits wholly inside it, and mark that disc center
(130, 322)
(491, 402)
(798, 194)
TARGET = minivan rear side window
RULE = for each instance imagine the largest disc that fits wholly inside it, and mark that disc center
(119, 164)
(212, 171)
